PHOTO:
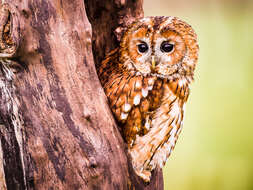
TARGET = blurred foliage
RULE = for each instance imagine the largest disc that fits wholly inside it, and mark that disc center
(215, 148)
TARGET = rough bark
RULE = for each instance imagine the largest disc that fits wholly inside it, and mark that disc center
(56, 130)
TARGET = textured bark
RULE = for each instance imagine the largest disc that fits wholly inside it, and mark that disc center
(56, 129)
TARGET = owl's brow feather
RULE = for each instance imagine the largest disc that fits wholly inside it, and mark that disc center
(158, 21)
(141, 25)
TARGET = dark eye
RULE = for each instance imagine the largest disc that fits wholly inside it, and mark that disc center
(142, 47)
(167, 47)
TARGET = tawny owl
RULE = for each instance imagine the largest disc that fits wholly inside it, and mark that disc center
(147, 83)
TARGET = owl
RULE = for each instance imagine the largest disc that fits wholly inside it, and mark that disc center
(146, 80)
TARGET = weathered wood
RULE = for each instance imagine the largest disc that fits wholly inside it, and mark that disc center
(57, 131)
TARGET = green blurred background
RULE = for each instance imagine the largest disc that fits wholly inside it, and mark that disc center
(215, 148)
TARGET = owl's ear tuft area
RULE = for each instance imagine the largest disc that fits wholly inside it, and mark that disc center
(123, 27)
(119, 32)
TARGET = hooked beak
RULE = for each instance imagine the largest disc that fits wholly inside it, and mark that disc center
(153, 62)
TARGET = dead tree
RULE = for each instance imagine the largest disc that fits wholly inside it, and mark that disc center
(56, 129)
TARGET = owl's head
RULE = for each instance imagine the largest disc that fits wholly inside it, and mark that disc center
(164, 47)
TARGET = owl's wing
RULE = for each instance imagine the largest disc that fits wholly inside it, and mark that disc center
(129, 100)
(155, 147)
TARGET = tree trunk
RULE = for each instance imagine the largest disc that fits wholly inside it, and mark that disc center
(56, 129)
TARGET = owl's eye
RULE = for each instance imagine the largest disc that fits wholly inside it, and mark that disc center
(142, 47)
(167, 47)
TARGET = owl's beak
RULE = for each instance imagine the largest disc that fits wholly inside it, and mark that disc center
(153, 62)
